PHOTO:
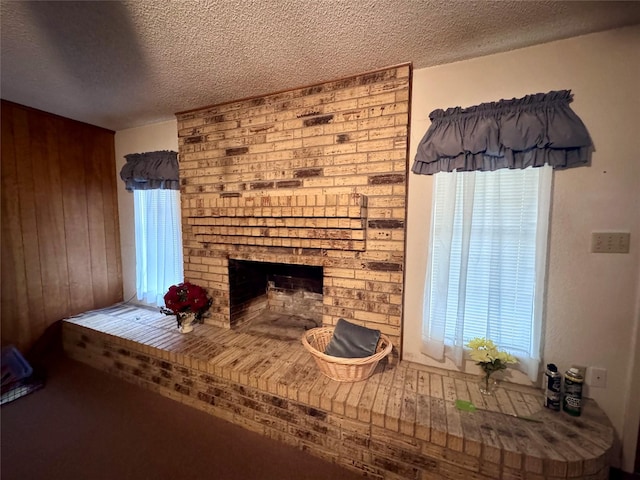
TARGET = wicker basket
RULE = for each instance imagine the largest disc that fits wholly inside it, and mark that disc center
(338, 368)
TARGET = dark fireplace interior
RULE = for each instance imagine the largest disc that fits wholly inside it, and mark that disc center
(275, 299)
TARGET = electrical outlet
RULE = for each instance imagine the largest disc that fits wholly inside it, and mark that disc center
(610, 242)
(598, 377)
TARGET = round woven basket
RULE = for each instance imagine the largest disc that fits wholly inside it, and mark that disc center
(339, 368)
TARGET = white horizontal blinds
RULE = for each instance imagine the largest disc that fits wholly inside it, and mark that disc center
(158, 243)
(482, 281)
(501, 277)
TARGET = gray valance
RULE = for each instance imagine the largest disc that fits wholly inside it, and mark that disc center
(151, 171)
(535, 130)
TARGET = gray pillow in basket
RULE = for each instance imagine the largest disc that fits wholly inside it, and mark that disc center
(352, 341)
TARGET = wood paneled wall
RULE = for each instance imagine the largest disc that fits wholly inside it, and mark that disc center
(60, 235)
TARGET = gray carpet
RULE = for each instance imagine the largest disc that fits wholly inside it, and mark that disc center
(86, 424)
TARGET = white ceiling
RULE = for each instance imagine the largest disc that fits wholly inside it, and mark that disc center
(125, 64)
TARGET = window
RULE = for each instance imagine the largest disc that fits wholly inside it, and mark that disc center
(158, 243)
(487, 262)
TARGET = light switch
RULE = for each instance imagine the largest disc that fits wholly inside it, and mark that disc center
(610, 242)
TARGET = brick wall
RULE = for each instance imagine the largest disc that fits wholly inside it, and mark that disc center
(312, 176)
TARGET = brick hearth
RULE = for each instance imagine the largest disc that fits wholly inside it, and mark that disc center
(399, 424)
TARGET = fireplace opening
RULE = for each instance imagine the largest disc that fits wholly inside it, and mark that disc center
(275, 299)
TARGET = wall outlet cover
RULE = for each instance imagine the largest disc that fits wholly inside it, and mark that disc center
(610, 242)
(598, 377)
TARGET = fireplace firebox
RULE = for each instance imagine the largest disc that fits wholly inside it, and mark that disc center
(275, 293)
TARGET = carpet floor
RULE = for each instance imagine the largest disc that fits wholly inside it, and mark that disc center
(86, 424)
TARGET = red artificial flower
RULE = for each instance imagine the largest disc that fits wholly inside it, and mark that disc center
(186, 297)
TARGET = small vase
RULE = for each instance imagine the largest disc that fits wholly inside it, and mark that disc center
(186, 322)
(487, 384)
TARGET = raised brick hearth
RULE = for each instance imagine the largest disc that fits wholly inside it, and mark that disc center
(399, 424)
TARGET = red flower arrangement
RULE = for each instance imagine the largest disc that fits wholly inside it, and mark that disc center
(186, 298)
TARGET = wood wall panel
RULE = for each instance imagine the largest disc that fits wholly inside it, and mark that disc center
(76, 220)
(60, 238)
(14, 282)
(27, 171)
(54, 250)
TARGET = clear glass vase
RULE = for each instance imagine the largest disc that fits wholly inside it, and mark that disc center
(487, 384)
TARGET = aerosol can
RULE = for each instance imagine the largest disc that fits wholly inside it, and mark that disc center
(552, 386)
(572, 400)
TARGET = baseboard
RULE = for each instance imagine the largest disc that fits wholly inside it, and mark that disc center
(617, 474)
(48, 343)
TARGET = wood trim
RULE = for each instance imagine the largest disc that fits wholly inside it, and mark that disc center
(42, 114)
(617, 474)
(637, 464)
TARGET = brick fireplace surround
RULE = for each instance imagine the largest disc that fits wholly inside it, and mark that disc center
(312, 176)
(315, 178)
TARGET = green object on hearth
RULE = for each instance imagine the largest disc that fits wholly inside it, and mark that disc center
(467, 406)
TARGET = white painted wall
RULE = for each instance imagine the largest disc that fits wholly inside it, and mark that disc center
(150, 138)
(593, 300)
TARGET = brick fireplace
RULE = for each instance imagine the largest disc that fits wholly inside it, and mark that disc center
(311, 177)
(294, 203)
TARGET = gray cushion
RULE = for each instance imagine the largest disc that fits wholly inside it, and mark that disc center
(352, 341)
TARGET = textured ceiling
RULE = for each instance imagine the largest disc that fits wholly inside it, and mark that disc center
(125, 64)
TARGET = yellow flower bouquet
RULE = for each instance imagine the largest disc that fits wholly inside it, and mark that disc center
(488, 357)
